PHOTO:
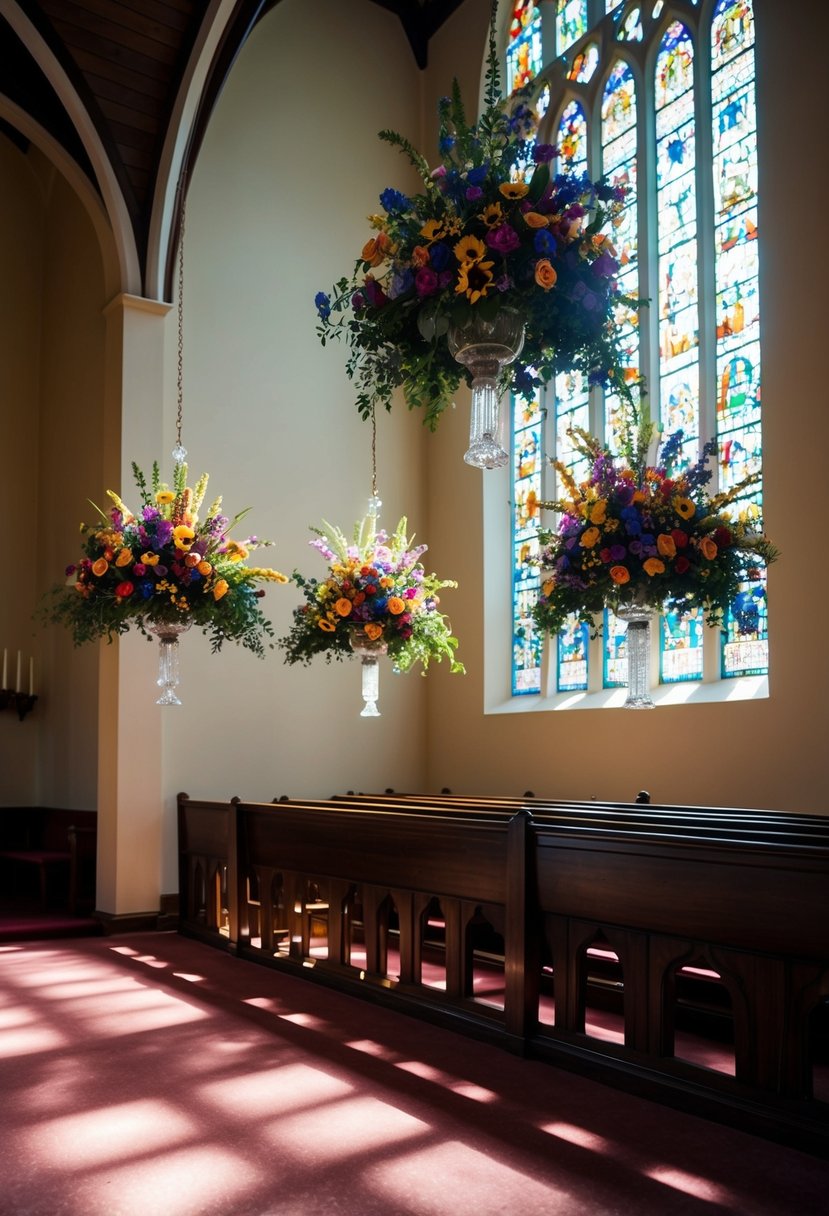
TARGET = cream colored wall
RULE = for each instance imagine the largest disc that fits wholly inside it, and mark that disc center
(768, 753)
(50, 414)
(277, 207)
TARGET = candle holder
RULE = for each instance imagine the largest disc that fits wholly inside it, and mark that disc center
(21, 702)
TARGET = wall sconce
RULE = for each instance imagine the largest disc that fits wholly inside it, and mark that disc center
(15, 698)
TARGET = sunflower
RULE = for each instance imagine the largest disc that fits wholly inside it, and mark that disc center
(474, 280)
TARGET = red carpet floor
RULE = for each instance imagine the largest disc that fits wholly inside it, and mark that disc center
(147, 1075)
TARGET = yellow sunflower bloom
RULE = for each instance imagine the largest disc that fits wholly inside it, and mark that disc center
(469, 250)
(474, 281)
(684, 508)
(326, 626)
(432, 230)
(183, 536)
(492, 215)
(513, 190)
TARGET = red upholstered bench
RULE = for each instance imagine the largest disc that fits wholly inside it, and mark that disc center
(59, 845)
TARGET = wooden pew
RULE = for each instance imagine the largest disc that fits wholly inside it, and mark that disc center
(58, 847)
(643, 903)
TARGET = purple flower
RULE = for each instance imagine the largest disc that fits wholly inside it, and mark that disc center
(605, 265)
(358, 301)
(401, 284)
(374, 293)
(544, 153)
(503, 239)
(426, 282)
(473, 193)
(617, 552)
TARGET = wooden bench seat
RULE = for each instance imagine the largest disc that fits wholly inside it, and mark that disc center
(57, 846)
(582, 933)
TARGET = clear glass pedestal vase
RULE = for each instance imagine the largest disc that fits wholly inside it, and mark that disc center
(638, 646)
(168, 669)
(369, 652)
(485, 346)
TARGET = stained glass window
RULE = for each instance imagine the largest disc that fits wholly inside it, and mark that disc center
(571, 23)
(524, 59)
(681, 652)
(692, 239)
(523, 64)
(734, 137)
(619, 164)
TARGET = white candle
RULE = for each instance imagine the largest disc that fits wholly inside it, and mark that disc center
(5, 683)
(31, 677)
(19, 664)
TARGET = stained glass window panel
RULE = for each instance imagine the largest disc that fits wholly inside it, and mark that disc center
(571, 23)
(524, 54)
(631, 28)
(736, 262)
(612, 5)
(572, 647)
(584, 64)
(619, 164)
(681, 653)
(527, 458)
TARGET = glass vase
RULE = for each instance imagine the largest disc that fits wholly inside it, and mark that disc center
(168, 633)
(638, 646)
(369, 653)
(485, 346)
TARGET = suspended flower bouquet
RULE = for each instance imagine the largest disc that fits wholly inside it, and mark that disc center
(377, 600)
(499, 272)
(162, 571)
(641, 538)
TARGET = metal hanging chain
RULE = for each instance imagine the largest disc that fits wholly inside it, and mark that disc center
(179, 453)
(374, 503)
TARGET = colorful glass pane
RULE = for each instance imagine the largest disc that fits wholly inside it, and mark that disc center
(631, 28)
(571, 23)
(584, 64)
(524, 55)
(619, 165)
(681, 654)
(736, 269)
(527, 459)
(611, 5)
(572, 647)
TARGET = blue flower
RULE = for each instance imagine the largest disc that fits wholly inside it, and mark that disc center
(323, 305)
(439, 256)
(392, 200)
(544, 242)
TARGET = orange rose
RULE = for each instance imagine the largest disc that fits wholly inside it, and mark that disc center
(204, 568)
(373, 631)
(545, 276)
(620, 574)
(653, 566)
(666, 545)
(708, 548)
(534, 220)
(343, 606)
(396, 605)
(100, 567)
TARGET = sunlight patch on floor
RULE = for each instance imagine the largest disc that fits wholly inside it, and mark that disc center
(185, 1182)
(347, 1128)
(581, 1136)
(109, 1134)
(691, 1184)
(451, 1175)
(370, 1048)
(274, 1091)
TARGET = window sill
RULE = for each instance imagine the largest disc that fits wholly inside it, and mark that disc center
(691, 692)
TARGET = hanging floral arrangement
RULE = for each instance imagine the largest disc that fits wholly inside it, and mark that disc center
(377, 599)
(648, 534)
(494, 232)
(165, 566)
